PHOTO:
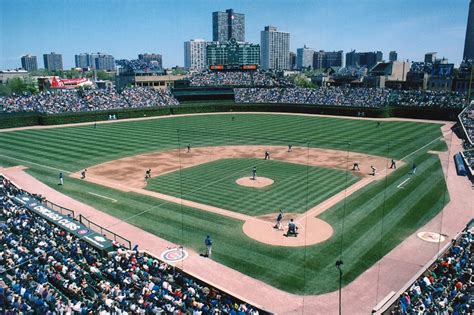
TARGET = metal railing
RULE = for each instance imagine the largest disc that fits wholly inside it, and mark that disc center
(103, 231)
(58, 208)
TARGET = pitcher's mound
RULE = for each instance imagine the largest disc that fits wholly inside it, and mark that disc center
(258, 182)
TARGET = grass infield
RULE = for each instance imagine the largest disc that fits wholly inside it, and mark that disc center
(296, 187)
(376, 218)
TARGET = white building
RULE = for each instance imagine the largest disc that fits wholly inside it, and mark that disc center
(274, 49)
(195, 55)
(304, 58)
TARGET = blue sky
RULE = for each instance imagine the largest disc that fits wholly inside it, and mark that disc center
(125, 28)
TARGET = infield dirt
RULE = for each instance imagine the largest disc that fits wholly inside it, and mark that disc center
(128, 174)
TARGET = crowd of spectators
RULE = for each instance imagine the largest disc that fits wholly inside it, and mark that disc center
(413, 98)
(100, 99)
(139, 66)
(45, 270)
(148, 97)
(467, 120)
(256, 78)
(336, 96)
(447, 286)
(60, 101)
(358, 97)
(19, 103)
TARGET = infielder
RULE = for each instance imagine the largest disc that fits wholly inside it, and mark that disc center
(393, 165)
(374, 170)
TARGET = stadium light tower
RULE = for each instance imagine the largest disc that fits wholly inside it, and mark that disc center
(339, 263)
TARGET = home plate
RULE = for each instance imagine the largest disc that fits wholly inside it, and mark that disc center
(431, 237)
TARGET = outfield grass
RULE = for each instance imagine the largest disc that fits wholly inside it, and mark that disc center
(376, 218)
(296, 187)
(72, 149)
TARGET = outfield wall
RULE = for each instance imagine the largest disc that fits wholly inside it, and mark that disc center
(31, 119)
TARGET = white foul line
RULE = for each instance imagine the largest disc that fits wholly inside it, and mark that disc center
(113, 200)
(409, 154)
(406, 180)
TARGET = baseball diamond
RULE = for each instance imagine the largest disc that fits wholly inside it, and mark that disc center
(400, 211)
(287, 165)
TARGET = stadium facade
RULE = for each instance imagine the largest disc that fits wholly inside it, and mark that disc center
(227, 25)
(274, 49)
(469, 42)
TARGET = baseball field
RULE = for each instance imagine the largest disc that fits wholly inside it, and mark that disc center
(367, 224)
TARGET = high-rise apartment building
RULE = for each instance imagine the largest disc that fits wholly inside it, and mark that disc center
(82, 61)
(98, 61)
(227, 25)
(304, 58)
(29, 63)
(274, 49)
(105, 62)
(469, 41)
(292, 60)
(430, 57)
(53, 61)
(363, 59)
(333, 59)
(325, 59)
(195, 55)
(393, 56)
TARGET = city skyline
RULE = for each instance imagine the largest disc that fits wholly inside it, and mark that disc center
(412, 29)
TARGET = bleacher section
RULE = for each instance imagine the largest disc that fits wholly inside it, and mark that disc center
(61, 101)
(351, 97)
(445, 286)
(45, 269)
(466, 119)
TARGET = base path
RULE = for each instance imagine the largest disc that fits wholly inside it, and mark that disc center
(127, 174)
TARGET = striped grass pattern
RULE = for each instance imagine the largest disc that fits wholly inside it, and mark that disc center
(376, 218)
(296, 187)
